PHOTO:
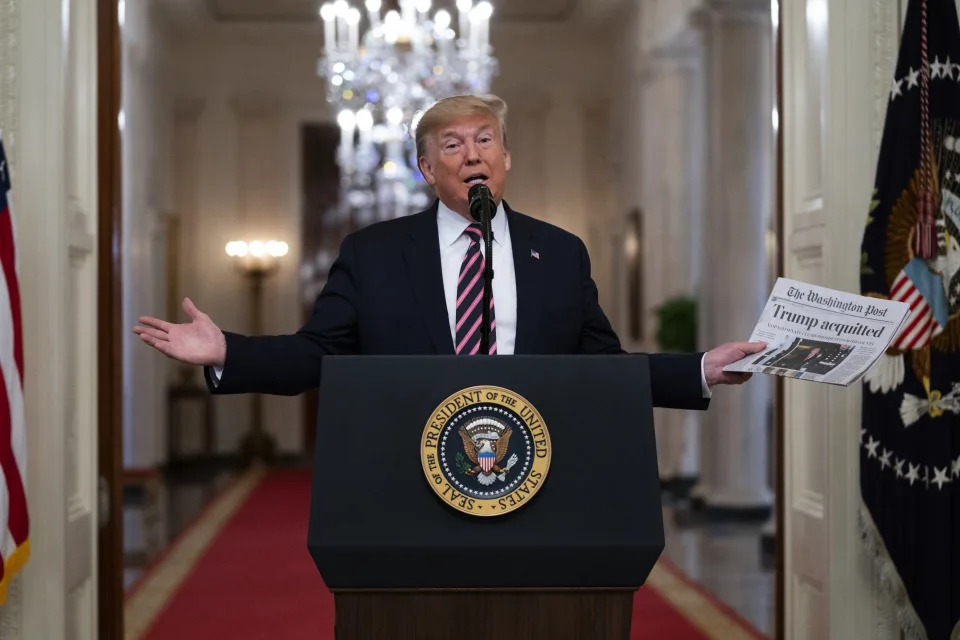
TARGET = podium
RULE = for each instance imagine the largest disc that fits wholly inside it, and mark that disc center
(561, 558)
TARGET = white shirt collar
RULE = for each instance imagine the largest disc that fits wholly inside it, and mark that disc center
(451, 224)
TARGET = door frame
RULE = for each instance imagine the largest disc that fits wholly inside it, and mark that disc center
(109, 320)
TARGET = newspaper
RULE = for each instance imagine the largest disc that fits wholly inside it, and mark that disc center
(823, 335)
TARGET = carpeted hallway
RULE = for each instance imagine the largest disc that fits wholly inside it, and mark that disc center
(242, 571)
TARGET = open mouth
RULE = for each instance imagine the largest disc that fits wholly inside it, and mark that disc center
(476, 178)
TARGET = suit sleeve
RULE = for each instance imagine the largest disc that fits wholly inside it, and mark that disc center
(675, 379)
(290, 364)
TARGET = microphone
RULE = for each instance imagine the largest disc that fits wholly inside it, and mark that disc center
(483, 209)
(481, 201)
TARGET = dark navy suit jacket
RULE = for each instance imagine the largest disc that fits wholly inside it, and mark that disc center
(384, 295)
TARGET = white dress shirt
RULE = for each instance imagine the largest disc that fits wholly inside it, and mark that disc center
(453, 246)
(451, 227)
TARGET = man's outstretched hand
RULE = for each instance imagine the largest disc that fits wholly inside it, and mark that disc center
(716, 359)
(197, 342)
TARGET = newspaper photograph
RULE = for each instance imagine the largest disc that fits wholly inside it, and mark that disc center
(822, 335)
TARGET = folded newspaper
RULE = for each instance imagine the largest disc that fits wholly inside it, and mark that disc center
(823, 335)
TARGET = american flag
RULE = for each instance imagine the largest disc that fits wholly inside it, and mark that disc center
(916, 286)
(910, 493)
(14, 519)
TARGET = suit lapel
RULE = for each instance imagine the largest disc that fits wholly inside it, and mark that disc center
(530, 274)
(422, 255)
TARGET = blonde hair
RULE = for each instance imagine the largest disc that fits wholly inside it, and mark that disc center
(451, 109)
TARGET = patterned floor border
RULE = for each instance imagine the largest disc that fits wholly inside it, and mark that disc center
(712, 618)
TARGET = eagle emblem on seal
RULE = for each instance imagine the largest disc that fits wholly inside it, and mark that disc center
(485, 443)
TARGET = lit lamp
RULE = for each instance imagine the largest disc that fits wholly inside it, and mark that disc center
(257, 260)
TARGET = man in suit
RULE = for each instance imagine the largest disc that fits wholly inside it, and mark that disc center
(413, 286)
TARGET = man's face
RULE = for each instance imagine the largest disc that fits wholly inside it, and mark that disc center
(464, 153)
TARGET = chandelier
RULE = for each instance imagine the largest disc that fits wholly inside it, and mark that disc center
(381, 83)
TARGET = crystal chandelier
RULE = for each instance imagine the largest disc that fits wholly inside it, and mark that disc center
(381, 83)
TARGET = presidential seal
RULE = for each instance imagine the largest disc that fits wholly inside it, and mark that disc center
(485, 451)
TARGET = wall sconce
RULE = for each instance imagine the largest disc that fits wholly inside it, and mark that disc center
(257, 257)
(256, 260)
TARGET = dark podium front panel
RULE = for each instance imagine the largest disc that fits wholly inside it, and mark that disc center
(375, 523)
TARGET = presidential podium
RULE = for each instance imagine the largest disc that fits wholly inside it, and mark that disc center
(498, 497)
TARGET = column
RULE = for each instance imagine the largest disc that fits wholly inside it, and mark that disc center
(672, 173)
(737, 60)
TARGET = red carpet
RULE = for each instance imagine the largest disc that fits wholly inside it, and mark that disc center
(654, 618)
(257, 580)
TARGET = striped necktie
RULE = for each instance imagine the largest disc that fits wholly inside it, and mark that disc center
(470, 298)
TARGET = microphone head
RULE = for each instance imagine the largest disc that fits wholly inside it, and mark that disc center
(477, 196)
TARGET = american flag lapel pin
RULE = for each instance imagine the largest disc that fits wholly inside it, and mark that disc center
(534, 254)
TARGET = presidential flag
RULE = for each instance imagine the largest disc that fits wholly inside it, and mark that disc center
(910, 428)
(14, 519)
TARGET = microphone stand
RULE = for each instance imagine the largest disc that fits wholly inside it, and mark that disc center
(486, 227)
(482, 210)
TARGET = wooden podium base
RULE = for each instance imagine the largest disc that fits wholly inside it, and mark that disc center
(596, 614)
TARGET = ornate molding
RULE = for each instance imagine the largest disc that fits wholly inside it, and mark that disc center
(9, 87)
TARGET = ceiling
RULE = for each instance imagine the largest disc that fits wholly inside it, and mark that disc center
(305, 11)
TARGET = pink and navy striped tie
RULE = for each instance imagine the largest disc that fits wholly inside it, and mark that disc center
(470, 298)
